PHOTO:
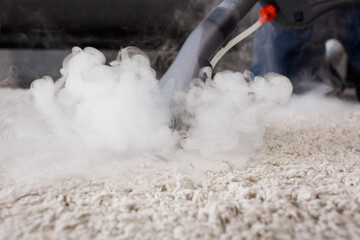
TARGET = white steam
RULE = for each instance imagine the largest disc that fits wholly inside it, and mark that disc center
(318, 101)
(228, 112)
(98, 118)
(116, 107)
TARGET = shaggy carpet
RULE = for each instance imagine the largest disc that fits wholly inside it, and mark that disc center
(304, 185)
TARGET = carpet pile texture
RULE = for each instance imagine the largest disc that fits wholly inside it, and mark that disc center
(305, 185)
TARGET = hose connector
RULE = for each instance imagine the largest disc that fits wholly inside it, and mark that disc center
(267, 13)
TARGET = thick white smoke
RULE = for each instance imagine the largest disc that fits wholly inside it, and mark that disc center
(117, 107)
(228, 112)
(98, 117)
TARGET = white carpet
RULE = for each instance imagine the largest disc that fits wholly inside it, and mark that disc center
(305, 185)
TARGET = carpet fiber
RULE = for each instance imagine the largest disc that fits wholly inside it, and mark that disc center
(305, 185)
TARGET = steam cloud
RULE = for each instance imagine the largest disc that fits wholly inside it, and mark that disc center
(100, 115)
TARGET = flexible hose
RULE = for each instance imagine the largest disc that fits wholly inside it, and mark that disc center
(267, 14)
(233, 42)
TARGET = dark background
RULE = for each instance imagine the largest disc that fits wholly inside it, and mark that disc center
(36, 35)
(101, 23)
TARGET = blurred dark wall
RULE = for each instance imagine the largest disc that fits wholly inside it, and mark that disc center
(99, 23)
(36, 35)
